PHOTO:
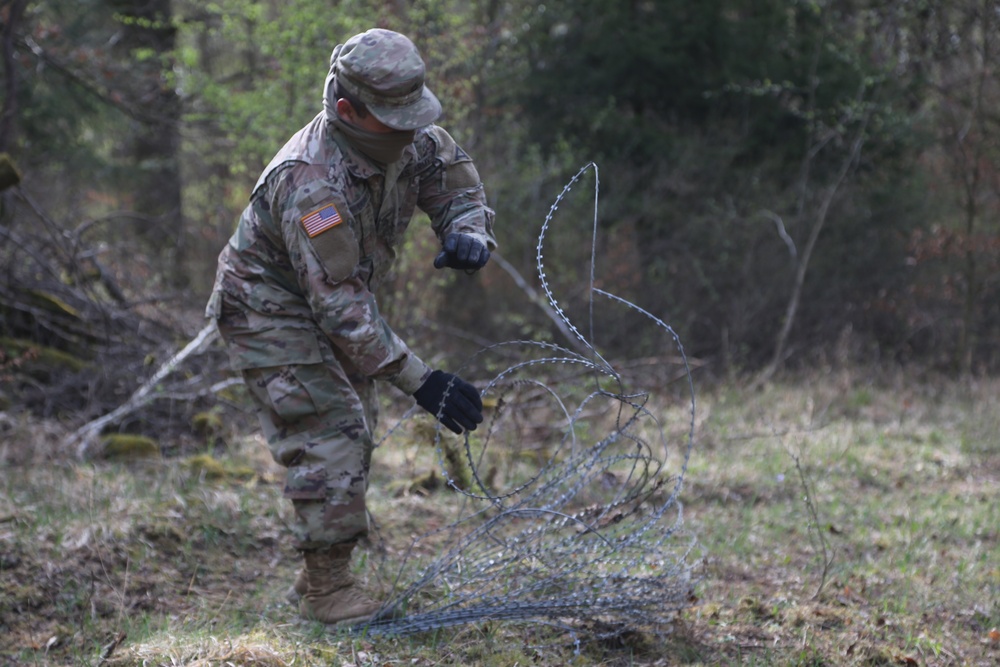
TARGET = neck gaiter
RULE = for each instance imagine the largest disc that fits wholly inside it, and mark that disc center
(382, 147)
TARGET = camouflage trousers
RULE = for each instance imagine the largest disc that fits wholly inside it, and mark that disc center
(318, 420)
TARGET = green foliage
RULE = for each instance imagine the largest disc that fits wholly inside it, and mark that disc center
(719, 128)
(255, 70)
(59, 110)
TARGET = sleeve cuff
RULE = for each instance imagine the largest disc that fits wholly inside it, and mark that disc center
(486, 240)
(414, 372)
(476, 223)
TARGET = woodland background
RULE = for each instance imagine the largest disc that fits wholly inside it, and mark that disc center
(806, 191)
(783, 182)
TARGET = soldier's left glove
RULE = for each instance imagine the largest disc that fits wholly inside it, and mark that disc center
(455, 402)
(461, 251)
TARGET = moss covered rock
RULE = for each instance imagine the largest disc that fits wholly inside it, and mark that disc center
(209, 467)
(125, 446)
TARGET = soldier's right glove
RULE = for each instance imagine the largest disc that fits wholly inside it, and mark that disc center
(455, 402)
(462, 251)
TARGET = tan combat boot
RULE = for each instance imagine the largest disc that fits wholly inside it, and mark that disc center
(298, 588)
(332, 596)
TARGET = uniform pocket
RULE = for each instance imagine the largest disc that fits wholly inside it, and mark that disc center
(294, 393)
(306, 483)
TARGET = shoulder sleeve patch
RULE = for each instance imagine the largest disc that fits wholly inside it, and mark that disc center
(321, 220)
(337, 249)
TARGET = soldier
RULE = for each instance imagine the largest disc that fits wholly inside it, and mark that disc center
(294, 296)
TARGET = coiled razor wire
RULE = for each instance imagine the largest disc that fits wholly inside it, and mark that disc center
(577, 526)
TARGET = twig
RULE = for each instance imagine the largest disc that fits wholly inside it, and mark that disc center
(110, 647)
(827, 557)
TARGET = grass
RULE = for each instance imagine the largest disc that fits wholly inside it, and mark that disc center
(183, 561)
(908, 509)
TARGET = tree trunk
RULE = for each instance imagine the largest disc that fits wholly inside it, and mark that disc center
(153, 145)
(10, 15)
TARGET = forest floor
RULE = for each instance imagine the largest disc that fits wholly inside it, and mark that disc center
(842, 520)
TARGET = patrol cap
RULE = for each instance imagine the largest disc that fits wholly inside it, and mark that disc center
(384, 70)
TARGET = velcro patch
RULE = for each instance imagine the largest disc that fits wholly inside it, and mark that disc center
(321, 220)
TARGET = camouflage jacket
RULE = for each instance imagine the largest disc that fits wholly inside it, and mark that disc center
(319, 236)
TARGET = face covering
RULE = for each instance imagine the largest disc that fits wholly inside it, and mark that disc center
(382, 147)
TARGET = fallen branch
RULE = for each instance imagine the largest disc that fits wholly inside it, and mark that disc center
(84, 437)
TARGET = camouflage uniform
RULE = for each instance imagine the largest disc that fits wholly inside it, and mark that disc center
(294, 301)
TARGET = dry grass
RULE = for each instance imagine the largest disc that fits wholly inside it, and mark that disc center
(187, 559)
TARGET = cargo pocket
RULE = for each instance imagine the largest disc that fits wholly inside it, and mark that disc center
(306, 482)
(294, 400)
(295, 392)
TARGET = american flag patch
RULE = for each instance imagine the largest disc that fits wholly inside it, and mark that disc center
(321, 220)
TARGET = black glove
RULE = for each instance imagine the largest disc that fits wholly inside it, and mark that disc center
(462, 408)
(461, 251)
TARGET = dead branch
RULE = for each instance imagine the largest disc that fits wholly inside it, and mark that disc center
(77, 335)
(802, 265)
(83, 439)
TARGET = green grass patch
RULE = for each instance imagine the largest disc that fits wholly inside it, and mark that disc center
(840, 526)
